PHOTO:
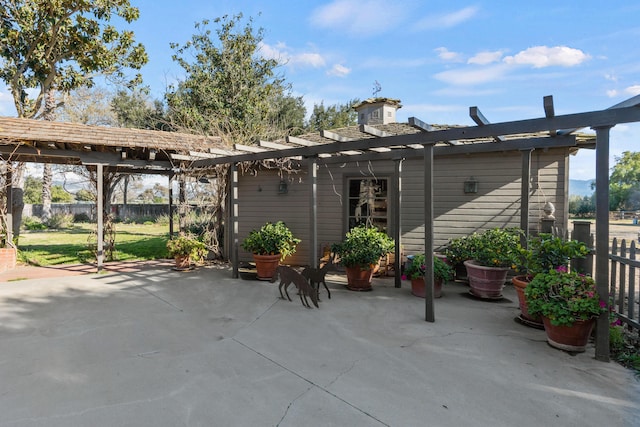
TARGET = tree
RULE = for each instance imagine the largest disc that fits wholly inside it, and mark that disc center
(88, 106)
(61, 45)
(229, 90)
(83, 195)
(624, 182)
(134, 109)
(332, 117)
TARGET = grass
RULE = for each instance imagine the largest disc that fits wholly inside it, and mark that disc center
(134, 242)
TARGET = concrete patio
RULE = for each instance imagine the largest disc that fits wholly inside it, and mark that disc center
(156, 347)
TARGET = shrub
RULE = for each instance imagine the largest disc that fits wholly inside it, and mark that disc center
(60, 220)
(271, 239)
(33, 223)
(363, 246)
(81, 217)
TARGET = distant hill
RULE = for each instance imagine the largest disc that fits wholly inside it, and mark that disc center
(580, 188)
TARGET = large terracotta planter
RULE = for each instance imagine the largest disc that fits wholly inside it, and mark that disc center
(359, 279)
(520, 283)
(418, 288)
(266, 265)
(569, 338)
(486, 282)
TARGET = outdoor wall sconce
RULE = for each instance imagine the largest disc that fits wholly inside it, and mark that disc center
(471, 185)
(282, 188)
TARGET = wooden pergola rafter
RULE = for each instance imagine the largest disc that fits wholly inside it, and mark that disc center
(131, 150)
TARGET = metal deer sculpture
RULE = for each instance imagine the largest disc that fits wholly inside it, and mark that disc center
(316, 276)
(288, 276)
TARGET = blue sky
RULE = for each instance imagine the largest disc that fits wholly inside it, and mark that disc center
(438, 57)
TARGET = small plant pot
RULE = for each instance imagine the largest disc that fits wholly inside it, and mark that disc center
(266, 265)
(418, 288)
(359, 279)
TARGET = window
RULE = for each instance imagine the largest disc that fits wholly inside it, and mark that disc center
(368, 203)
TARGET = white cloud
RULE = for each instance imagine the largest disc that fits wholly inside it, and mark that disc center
(446, 20)
(447, 55)
(362, 18)
(339, 71)
(282, 53)
(486, 57)
(473, 76)
(545, 56)
(612, 93)
(633, 90)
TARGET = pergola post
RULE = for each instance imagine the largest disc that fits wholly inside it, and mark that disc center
(233, 195)
(428, 232)
(602, 238)
(171, 207)
(100, 209)
(524, 196)
(313, 214)
(9, 205)
(397, 221)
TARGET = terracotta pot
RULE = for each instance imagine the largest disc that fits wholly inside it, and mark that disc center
(359, 279)
(266, 265)
(569, 338)
(486, 282)
(418, 288)
(520, 283)
(183, 262)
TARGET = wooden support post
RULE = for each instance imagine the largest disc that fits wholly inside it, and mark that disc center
(397, 222)
(313, 214)
(582, 233)
(233, 194)
(171, 207)
(524, 196)
(428, 233)
(100, 209)
(9, 205)
(602, 238)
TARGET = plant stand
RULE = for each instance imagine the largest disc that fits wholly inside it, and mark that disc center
(486, 282)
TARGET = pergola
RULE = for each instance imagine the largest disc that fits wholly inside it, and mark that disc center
(137, 151)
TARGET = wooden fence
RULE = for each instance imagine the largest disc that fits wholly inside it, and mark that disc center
(624, 274)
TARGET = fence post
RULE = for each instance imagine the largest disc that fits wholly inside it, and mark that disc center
(582, 233)
(547, 225)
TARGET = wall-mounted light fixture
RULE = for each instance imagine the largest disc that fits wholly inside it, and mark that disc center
(471, 185)
(282, 188)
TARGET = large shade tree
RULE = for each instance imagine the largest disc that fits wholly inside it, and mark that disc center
(61, 45)
(233, 91)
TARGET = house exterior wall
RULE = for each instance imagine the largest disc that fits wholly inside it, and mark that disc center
(496, 204)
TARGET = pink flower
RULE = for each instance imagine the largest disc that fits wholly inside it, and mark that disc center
(562, 269)
(404, 277)
(603, 304)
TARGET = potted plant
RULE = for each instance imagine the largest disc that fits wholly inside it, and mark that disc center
(186, 248)
(568, 303)
(269, 245)
(415, 272)
(457, 251)
(495, 252)
(360, 252)
(544, 252)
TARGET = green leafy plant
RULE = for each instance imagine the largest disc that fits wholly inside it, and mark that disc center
(563, 297)
(497, 247)
(271, 239)
(187, 245)
(363, 246)
(416, 270)
(547, 252)
(459, 250)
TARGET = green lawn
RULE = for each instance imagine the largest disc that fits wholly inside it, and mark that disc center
(70, 246)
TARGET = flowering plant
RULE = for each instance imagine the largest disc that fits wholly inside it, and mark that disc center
(545, 252)
(563, 297)
(497, 247)
(416, 269)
